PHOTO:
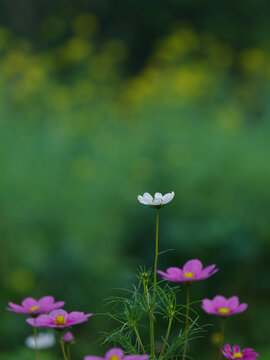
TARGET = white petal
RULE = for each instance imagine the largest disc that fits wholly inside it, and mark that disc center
(167, 198)
(44, 341)
(147, 196)
(157, 202)
(158, 196)
(141, 200)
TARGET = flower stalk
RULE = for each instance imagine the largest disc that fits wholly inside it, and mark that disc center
(221, 337)
(166, 337)
(187, 321)
(151, 312)
(36, 345)
(63, 346)
(139, 338)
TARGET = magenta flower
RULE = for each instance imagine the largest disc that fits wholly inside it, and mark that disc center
(192, 271)
(222, 306)
(59, 319)
(68, 337)
(117, 354)
(236, 353)
(35, 307)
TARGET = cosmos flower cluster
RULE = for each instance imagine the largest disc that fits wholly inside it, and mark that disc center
(46, 313)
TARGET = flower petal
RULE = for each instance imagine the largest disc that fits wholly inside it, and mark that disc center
(208, 271)
(141, 200)
(232, 304)
(55, 313)
(29, 303)
(136, 357)
(236, 349)
(41, 321)
(240, 308)
(167, 198)
(46, 300)
(114, 352)
(17, 308)
(219, 301)
(194, 266)
(208, 306)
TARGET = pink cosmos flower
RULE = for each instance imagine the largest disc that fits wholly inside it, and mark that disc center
(35, 307)
(192, 271)
(222, 306)
(117, 354)
(59, 319)
(236, 353)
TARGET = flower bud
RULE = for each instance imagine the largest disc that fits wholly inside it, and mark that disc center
(68, 337)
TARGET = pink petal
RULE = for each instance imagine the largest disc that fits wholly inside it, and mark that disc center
(55, 313)
(232, 304)
(46, 300)
(28, 303)
(236, 349)
(172, 274)
(41, 321)
(241, 308)
(17, 308)
(114, 351)
(56, 305)
(136, 357)
(194, 266)
(208, 306)
(76, 317)
(219, 301)
(208, 271)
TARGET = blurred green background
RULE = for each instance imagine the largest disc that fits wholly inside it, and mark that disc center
(101, 101)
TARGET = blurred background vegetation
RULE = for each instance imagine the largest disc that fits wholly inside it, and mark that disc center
(101, 101)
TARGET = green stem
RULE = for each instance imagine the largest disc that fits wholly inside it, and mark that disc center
(166, 338)
(139, 338)
(221, 337)
(68, 351)
(187, 323)
(151, 312)
(63, 346)
(36, 345)
(156, 260)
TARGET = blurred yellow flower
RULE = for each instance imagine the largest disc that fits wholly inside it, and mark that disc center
(22, 280)
(253, 60)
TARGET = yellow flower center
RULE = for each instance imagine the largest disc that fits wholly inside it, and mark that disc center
(189, 275)
(238, 355)
(59, 320)
(223, 310)
(34, 308)
(114, 357)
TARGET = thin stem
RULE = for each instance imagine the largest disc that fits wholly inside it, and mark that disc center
(63, 346)
(156, 260)
(68, 351)
(221, 337)
(36, 345)
(166, 338)
(187, 322)
(139, 338)
(151, 312)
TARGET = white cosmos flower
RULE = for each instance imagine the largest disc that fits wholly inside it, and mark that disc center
(44, 340)
(157, 201)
